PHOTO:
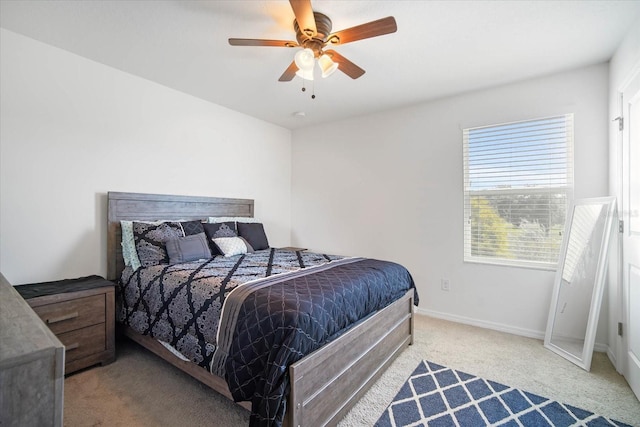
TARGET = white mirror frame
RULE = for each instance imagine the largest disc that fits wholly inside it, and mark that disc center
(584, 361)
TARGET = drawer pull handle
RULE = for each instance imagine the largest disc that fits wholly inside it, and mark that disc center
(62, 318)
(72, 346)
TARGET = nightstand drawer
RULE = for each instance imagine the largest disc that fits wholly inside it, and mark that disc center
(83, 342)
(75, 314)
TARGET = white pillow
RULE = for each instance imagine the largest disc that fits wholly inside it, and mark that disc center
(218, 219)
(231, 246)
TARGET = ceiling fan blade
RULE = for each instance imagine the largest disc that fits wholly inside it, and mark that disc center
(371, 29)
(261, 42)
(344, 65)
(289, 73)
(304, 16)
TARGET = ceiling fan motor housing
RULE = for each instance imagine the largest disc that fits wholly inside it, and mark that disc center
(315, 42)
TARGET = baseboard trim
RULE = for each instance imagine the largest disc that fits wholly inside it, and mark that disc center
(482, 323)
(501, 327)
(612, 358)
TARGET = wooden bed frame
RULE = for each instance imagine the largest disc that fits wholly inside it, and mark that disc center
(325, 384)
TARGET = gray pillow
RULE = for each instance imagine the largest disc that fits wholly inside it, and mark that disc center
(188, 248)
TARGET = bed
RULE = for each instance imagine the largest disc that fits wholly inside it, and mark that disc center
(313, 385)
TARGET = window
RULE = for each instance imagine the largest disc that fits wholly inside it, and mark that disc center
(518, 182)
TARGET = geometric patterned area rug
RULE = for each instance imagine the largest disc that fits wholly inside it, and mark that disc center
(436, 396)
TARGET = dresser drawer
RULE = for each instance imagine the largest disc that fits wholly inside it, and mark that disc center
(70, 315)
(83, 342)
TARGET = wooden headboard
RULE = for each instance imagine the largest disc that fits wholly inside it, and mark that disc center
(151, 207)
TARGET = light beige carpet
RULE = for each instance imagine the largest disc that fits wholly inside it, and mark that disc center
(140, 389)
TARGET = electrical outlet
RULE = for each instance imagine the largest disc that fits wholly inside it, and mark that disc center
(444, 284)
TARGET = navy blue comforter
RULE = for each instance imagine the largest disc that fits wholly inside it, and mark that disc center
(278, 325)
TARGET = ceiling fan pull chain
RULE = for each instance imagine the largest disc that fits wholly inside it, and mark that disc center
(313, 89)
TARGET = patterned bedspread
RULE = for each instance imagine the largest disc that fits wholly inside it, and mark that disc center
(269, 322)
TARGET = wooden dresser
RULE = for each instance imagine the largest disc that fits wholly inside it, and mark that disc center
(81, 312)
(31, 365)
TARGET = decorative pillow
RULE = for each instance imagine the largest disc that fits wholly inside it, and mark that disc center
(222, 229)
(151, 238)
(219, 219)
(218, 230)
(254, 234)
(230, 246)
(188, 248)
(192, 227)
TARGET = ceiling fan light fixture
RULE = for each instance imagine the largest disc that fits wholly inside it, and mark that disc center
(305, 74)
(305, 59)
(327, 66)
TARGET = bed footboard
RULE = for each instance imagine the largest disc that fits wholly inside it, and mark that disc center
(326, 384)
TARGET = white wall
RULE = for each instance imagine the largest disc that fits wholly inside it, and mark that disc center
(387, 185)
(625, 61)
(73, 129)
(390, 186)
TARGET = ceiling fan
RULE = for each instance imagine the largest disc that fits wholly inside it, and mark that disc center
(313, 34)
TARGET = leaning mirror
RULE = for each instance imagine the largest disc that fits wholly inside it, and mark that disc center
(579, 283)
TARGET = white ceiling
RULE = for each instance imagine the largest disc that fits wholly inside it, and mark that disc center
(441, 48)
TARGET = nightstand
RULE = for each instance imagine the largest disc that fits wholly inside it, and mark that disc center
(81, 313)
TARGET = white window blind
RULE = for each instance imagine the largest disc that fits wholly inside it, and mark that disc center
(518, 182)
